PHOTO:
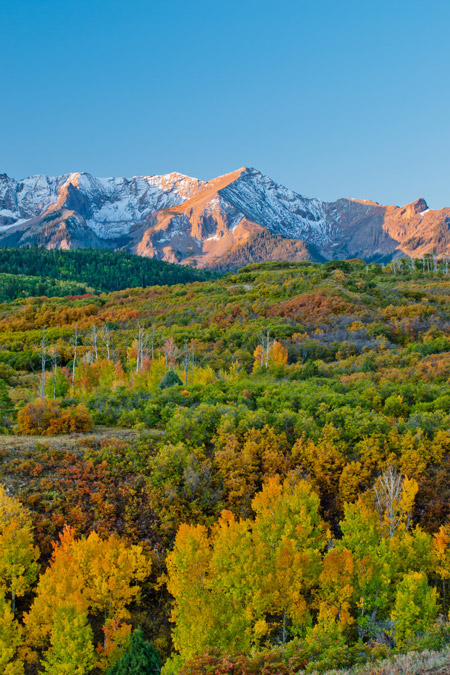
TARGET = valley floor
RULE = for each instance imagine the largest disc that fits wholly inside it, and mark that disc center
(66, 441)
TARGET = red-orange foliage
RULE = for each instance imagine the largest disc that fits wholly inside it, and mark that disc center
(63, 488)
(267, 662)
(311, 306)
(47, 418)
(434, 368)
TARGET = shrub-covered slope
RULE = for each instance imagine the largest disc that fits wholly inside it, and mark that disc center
(286, 482)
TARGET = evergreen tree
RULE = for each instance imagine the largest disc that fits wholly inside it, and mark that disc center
(139, 658)
(170, 380)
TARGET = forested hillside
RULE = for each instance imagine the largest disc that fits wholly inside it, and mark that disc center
(36, 271)
(249, 474)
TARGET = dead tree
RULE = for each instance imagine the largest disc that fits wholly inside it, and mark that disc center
(152, 343)
(54, 358)
(141, 348)
(74, 362)
(435, 263)
(43, 361)
(266, 346)
(106, 339)
(187, 361)
(388, 492)
(94, 343)
(170, 353)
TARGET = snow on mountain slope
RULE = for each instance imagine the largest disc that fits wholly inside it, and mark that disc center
(110, 206)
(282, 211)
(22, 200)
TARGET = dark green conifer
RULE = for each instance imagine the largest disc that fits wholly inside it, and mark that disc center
(139, 658)
(171, 379)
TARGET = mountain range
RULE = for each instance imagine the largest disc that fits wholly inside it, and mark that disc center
(222, 223)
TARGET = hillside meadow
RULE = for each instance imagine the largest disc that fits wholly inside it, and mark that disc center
(243, 474)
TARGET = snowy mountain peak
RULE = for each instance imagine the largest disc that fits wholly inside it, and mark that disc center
(110, 206)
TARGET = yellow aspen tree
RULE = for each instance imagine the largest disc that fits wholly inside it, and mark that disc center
(114, 573)
(415, 608)
(288, 539)
(94, 575)
(279, 354)
(63, 582)
(376, 529)
(188, 582)
(336, 585)
(71, 649)
(10, 640)
(441, 561)
(231, 572)
(258, 356)
(362, 536)
(325, 642)
(251, 577)
(324, 459)
(353, 480)
(245, 465)
(18, 554)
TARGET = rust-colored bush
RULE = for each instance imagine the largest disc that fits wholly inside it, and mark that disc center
(311, 306)
(47, 418)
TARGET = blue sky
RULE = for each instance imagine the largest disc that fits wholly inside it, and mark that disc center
(332, 99)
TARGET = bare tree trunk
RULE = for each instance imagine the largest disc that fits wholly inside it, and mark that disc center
(186, 362)
(106, 339)
(265, 349)
(284, 628)
(55, 370)
(388, 492)
(153, 343)
(74, 362)
(141, 344)
(43, 361)
(94, 343)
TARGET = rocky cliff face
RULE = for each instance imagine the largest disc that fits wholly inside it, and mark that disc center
(242, 216)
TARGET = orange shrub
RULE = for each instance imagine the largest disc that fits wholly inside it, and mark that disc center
(47, 418)
(434, 368)
(312, 306)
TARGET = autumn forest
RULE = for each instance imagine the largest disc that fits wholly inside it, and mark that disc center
(236, 474)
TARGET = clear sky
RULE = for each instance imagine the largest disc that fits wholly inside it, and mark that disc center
(331, 98)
